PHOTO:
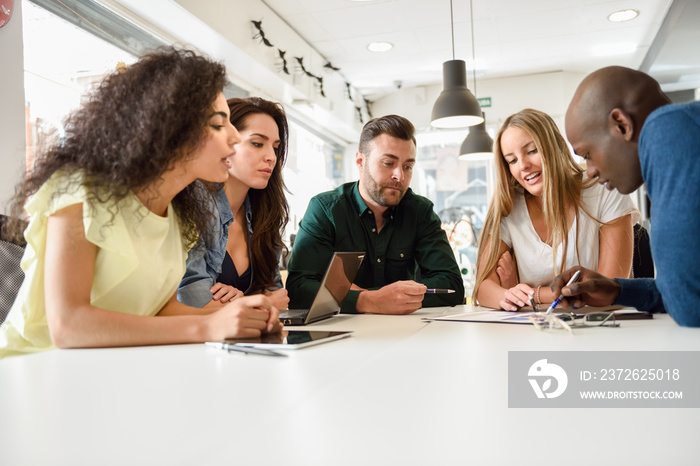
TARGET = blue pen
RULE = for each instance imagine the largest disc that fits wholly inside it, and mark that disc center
(556, 302)
(439, 290)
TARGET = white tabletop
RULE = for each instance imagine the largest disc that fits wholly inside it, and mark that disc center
(399, 391)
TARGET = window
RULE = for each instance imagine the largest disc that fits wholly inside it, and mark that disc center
(460, 189)
(57, 73)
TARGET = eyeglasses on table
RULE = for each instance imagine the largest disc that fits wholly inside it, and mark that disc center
(569, 321)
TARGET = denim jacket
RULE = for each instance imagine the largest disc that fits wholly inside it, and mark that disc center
(204, 266)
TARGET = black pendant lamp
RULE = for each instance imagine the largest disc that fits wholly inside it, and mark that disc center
(477, 143)
(456, 106)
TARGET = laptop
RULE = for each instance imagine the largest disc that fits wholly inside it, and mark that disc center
(330, 295)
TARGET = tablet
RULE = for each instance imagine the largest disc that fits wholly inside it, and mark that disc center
(290, 339)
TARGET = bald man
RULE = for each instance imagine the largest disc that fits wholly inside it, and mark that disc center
(628, 132)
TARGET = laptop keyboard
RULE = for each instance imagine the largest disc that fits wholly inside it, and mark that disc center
(289, 313)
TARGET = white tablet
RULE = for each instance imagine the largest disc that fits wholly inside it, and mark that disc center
(290, 339)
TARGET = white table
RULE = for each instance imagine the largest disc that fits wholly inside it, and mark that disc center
(399, 391)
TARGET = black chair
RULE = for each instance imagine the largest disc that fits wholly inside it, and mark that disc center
(11, 274)
(642, 262)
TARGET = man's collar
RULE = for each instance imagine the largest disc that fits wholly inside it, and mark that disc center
(360, 203)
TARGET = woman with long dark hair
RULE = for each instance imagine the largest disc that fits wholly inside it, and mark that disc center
(113, 208)
(242, 256)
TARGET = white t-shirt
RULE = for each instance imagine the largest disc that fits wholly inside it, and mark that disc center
(534, 257)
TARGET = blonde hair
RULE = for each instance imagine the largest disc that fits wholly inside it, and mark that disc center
(563, 183)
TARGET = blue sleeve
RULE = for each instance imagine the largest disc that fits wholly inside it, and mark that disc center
(669, 150)
(640, 293)
(195, 285)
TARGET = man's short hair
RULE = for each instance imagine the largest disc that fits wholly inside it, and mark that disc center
(393, 125)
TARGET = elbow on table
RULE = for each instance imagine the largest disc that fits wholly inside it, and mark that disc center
(63, 331)
(61, 337)
(686, 319)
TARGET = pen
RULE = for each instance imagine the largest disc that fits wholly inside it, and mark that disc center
(573, 278)
(534, 304)
(439, 291)
(245, 349)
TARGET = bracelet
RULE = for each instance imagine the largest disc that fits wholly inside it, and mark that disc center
(537, 295)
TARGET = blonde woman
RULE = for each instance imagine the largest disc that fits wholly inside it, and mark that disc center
(546, 217)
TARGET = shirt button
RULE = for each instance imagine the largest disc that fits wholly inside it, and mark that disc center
(401, 255)
(379, 260)
(373, 230)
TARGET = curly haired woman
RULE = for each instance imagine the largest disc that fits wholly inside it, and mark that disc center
(114, 208)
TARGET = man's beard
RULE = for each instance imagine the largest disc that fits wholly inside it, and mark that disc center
(375, 190)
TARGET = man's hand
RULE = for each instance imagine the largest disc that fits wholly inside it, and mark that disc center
(591, 289)
(402, 297)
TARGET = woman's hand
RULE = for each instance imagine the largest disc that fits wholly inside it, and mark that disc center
(279, 298)
(246, 317)
(224, 293)
(516, 297)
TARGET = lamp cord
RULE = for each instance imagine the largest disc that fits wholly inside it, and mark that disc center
(471, 18)
(452, 28)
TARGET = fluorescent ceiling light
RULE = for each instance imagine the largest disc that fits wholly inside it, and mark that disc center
(380, 47)
(623, 15)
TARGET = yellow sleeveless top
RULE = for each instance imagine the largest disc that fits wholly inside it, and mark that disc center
(139, 264)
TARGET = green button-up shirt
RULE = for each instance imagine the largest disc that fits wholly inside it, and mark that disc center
(410, 246)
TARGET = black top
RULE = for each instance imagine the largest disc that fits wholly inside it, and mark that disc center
(229, 275)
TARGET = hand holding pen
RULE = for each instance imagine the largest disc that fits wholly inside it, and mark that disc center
(556, 302)
(592, 288)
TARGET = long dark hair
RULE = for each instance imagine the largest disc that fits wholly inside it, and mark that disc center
(132, 129)
(269, 205)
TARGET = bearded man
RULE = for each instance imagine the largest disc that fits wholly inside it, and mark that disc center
(407, 252)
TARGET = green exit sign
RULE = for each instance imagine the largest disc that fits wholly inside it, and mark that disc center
(485, 102)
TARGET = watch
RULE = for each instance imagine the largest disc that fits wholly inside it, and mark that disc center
(6, 8)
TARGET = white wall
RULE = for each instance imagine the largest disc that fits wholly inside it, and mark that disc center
(12, 126)
(223, 30)
(549, 92)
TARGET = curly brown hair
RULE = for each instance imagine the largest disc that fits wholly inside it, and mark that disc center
(131, 129)
(269, 205)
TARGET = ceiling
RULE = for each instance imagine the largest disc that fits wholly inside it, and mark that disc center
(511, 38)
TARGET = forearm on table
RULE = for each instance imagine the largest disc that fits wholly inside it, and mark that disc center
(490, 293)
(87, 326)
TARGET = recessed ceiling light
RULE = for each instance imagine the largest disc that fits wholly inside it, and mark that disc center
(380, 47)
(623, 15)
